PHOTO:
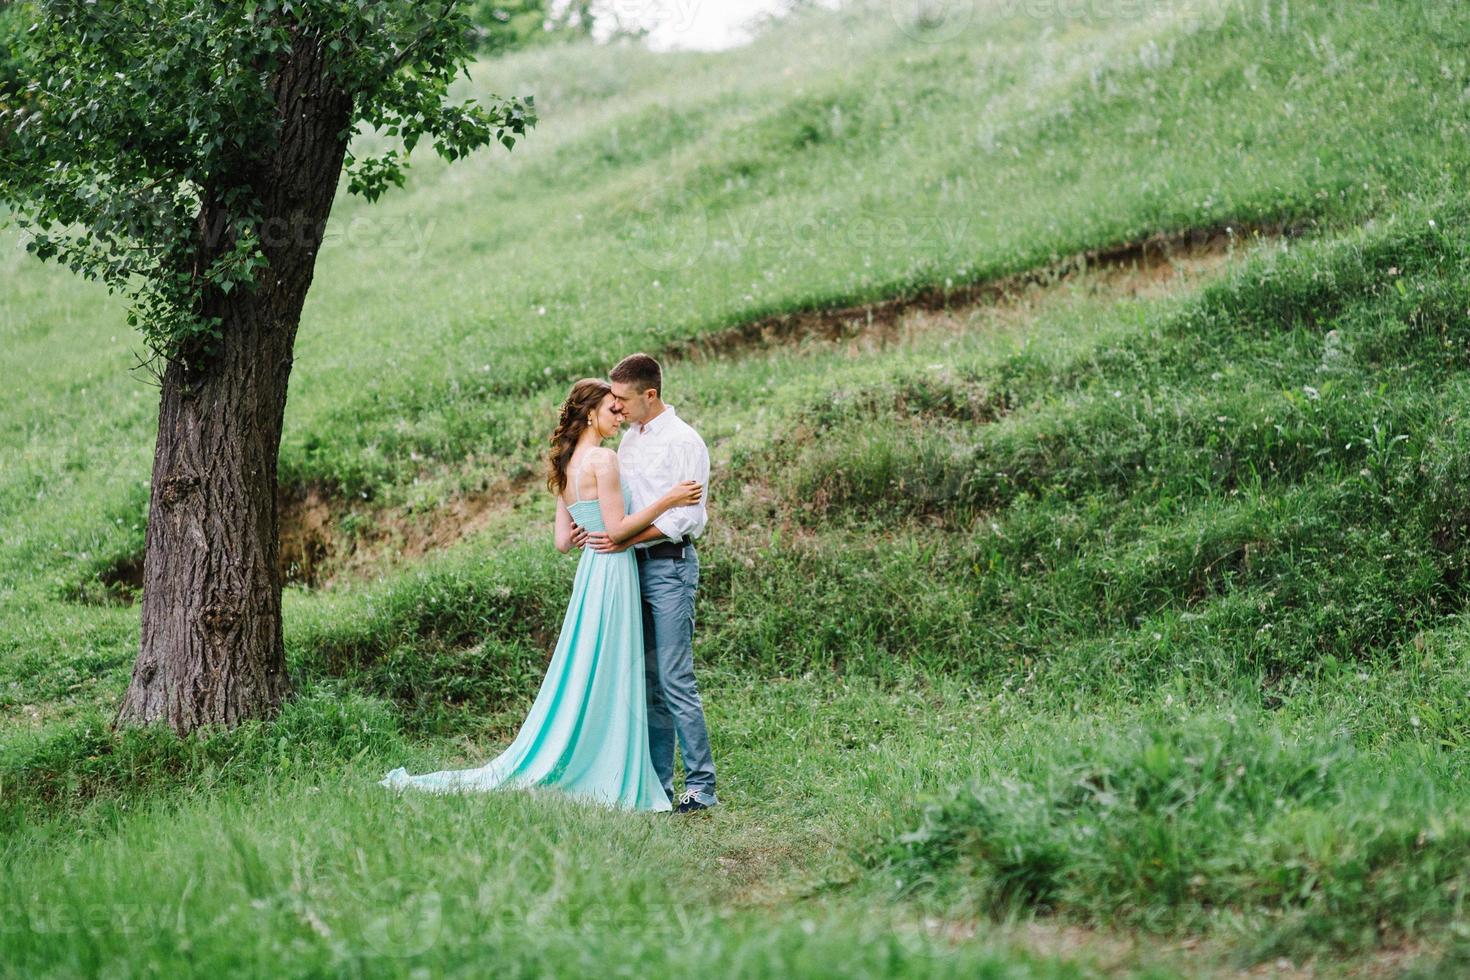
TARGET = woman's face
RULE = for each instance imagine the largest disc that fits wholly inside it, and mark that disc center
(606, 420)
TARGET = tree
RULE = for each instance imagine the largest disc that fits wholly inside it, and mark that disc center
(505, 25)
(12, 25)
(186, 153)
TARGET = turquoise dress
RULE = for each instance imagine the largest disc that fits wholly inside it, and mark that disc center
(587, 731)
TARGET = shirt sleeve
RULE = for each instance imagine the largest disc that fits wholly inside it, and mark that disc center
(691, 463)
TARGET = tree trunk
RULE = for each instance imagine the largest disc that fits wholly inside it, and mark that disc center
(211, 649)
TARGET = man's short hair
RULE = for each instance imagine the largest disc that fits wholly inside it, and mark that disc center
(640, 371)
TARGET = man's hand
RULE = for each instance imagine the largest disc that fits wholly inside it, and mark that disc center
(579, 535)
(602, 543)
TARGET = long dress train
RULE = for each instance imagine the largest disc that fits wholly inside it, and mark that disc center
(587, 731)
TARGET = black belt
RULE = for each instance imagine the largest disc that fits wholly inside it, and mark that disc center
(665, 549)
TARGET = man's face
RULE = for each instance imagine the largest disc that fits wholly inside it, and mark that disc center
(631, 405)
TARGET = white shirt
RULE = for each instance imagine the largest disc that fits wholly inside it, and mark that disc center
(656, 456)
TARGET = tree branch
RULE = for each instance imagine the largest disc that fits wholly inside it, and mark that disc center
(424, 35)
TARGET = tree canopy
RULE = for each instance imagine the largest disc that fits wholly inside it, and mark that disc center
(12, 25)
(505, 25)
(136, 119)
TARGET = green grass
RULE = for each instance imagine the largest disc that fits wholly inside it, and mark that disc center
(333, 875)
(1180, 823)
(1141, 615)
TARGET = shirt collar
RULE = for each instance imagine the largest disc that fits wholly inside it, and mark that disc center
(658, 422)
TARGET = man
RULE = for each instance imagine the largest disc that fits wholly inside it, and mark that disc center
(658, 450)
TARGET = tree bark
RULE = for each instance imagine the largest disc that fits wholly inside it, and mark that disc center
(211, 648)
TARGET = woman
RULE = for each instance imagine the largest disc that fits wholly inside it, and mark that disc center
(587, 731)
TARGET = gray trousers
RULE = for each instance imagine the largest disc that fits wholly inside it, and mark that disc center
(674, 708)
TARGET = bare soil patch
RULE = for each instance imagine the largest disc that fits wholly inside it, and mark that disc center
(1144, 267)
(326, 539)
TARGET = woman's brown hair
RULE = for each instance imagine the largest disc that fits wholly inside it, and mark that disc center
(581, 402)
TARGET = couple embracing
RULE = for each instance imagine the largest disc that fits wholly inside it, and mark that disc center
(620, 685)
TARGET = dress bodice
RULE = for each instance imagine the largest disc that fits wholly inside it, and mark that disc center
(588, 513)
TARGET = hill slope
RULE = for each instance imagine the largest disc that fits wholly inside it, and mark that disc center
(1127, 590)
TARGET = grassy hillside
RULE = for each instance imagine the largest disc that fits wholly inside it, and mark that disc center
(1121, 596)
